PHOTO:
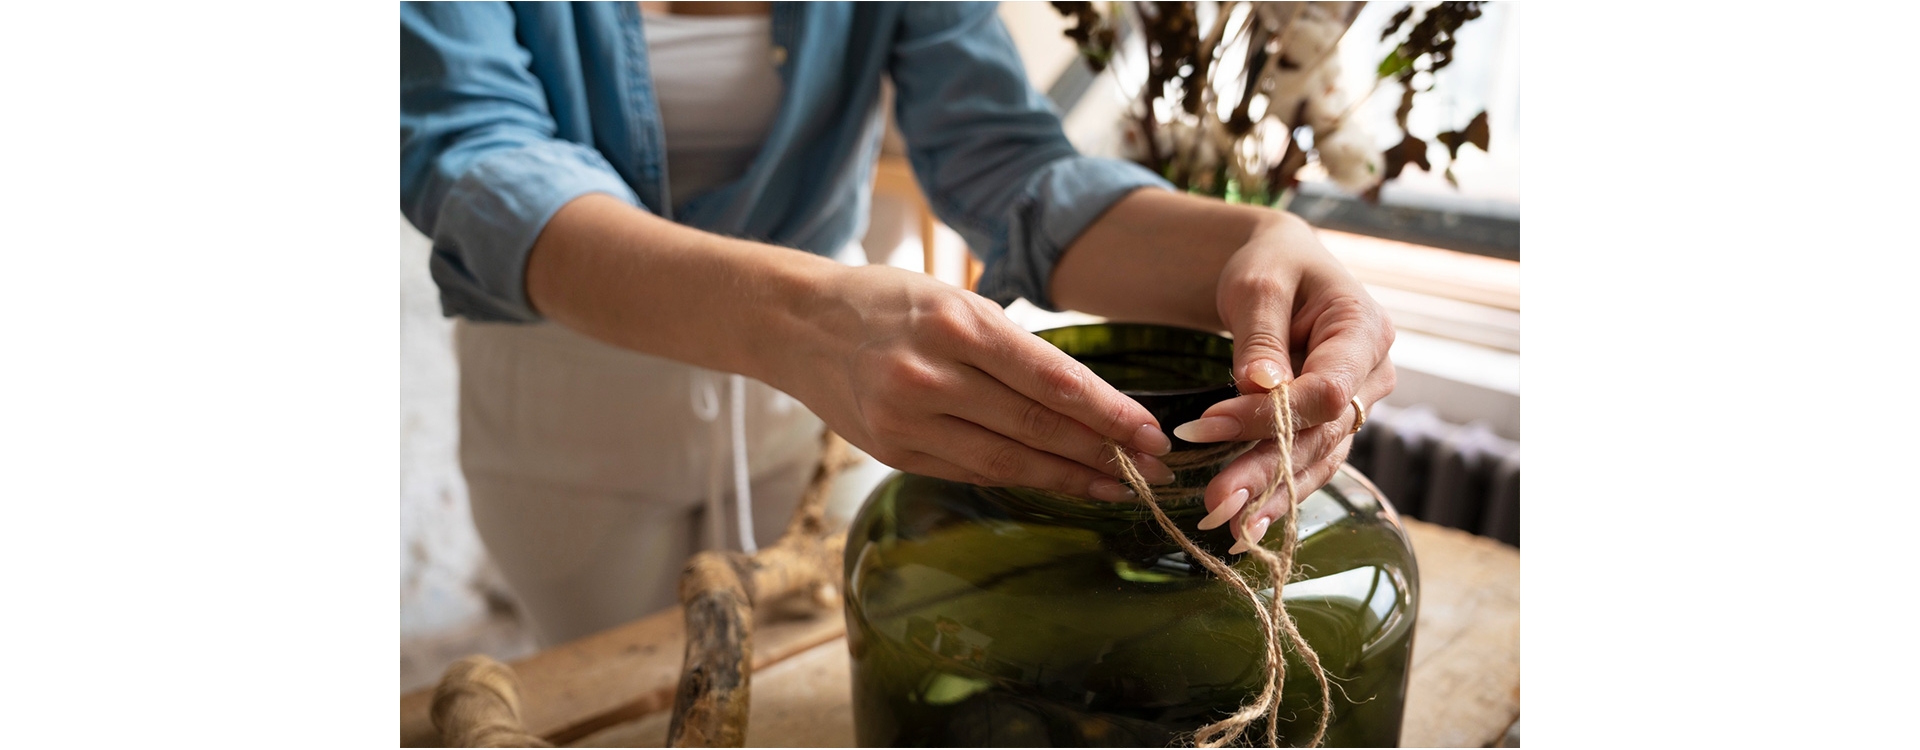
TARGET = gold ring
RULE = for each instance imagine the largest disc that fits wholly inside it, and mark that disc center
(1359, 415)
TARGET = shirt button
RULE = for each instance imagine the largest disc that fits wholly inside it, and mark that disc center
(779, 55)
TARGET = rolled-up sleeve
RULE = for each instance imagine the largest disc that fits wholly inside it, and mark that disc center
(481, 171)
(989, 150)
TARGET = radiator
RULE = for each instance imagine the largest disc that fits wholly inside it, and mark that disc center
(1463, 476)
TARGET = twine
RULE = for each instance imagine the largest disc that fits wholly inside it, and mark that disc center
(1274, 620)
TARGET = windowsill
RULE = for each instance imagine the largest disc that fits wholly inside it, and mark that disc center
(1457, 319)
(1454, 275)
(1481, 226)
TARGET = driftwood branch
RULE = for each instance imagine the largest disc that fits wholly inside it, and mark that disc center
(719, 590)
(478, 705)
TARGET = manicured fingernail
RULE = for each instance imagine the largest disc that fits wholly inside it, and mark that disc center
(1266, 374)
(1152, 469)
(1110, 491)
(1151, 440)
(1259, 532)
(1209, 429)
(1225, 511)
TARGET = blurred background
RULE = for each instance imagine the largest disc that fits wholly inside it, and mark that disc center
(1443, 259)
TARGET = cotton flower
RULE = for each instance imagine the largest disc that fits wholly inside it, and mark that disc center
(1349, 157)
(1315, 32)
(1326, 106)
(1291, 87)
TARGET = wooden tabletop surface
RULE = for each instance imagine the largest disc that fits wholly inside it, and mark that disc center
(615, 688)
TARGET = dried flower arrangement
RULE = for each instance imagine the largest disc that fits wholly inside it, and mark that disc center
(1236, 109)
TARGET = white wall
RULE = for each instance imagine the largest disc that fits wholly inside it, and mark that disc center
(440, 554)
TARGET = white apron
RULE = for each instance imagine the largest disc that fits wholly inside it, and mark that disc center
(593, 470)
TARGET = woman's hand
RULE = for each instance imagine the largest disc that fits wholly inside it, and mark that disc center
(1292, 308)
(924, 376)
(936, 380)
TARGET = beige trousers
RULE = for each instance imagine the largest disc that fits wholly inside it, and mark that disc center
(593, 470)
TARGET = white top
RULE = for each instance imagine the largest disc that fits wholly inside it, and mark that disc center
(718, 89)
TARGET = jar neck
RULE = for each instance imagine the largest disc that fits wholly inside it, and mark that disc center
(1128, 531)
(1179, 499)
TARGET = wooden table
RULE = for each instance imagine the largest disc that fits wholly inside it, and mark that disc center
(615, 688)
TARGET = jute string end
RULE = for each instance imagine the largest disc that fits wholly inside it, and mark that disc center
(1278, 626)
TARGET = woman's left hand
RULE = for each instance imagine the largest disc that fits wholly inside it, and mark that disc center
(1295, 313)
(1283, 292)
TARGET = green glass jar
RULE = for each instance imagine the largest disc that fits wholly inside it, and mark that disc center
(1012, 617)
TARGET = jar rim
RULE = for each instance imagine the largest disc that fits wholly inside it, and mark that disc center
(1187, 494)
(1145, 351)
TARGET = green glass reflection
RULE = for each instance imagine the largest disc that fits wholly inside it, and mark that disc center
(1008, 617)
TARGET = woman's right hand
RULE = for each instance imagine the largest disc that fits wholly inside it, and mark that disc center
(935, 380)
(924, 376)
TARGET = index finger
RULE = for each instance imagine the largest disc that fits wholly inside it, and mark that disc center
(1033, 367)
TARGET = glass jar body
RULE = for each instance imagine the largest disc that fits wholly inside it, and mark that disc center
(1005, 617)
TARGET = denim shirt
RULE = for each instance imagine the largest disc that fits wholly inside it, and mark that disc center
(510, 110)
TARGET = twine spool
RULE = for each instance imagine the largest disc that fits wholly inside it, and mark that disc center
(1274, 620)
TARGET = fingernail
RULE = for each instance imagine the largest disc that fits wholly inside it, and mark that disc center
(1259, 531)
(1266, 374)
(1152, 469)
(1225, 511)
(1110, 491)
(1209, 429)
(1150, 439)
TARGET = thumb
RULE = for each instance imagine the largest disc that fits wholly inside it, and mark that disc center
(1260, 352)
